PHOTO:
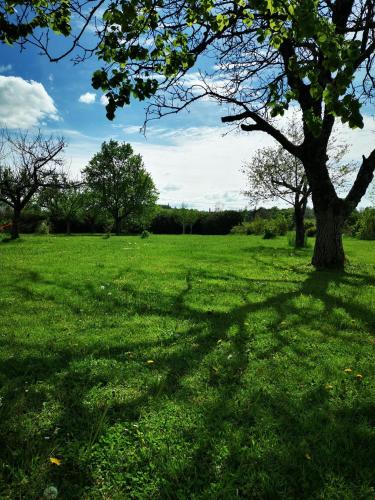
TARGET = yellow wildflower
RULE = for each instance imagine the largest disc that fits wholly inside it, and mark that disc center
(307, 456)
(348, 370)
(359, 376)
(55, 460)
(150, 361)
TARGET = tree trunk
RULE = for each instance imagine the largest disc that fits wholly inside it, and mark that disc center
(300, 231)
(118, 226)
(299, 220)
(68, 227)
(183, 228)
(329, 250)
(330, 211)
(14, 231)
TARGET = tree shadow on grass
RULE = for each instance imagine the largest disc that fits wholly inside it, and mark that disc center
(264, 423)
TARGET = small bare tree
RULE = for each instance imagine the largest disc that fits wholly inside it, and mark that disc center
(273, 173)
(27, 164)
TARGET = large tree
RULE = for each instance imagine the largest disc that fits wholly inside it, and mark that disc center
(317, 55)
(256, 56)
(119, 180)
(28, 163)
(274, 174)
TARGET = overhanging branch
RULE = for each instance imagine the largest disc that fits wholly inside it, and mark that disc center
(262, 125)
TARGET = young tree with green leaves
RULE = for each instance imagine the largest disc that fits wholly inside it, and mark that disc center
(118, 179)
(265, 55)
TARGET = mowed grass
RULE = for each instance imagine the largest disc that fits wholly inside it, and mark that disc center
(185, 367)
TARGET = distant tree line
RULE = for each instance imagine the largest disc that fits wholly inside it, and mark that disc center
(117, 194)
(82, 216)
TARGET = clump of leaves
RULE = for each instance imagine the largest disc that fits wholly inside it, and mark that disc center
(269, 234)
(43, 228)
(145, 234)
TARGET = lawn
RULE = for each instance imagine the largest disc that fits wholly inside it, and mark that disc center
(185, 367)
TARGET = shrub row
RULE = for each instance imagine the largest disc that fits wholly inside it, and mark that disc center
(267, 222)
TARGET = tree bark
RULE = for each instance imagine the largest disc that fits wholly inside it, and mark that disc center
(118, 226)
(328, 207)
(14, 232)
(299, 216)
(329, 250)
(68, 227)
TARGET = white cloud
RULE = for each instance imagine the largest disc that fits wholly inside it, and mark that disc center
(104, 100)
(131, 129)
(87, 98)
(202, 163)
(24, 103)
(171, 188)
(5, 68)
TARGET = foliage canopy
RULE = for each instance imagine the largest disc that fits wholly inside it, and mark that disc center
(120, 182)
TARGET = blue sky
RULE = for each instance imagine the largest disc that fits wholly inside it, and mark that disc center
(188, 156)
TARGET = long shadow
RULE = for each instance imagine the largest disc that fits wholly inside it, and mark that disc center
(68, 372)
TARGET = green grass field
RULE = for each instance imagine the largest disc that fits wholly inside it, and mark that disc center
(185, 367)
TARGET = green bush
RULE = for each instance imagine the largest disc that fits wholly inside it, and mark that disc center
(42, 228)
(145, 234)
(269, 234)
(244, 228)
(217, 222)
(239, 229)
(351, 225)
(311, 232)
(257, 226)
(366, 225)
(279, 225)
(310, 227)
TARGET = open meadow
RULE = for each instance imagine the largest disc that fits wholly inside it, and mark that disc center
(185, 367)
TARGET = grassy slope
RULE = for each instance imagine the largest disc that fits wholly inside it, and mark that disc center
(185, 367)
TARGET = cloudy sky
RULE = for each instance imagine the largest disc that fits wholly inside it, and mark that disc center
(191, 156)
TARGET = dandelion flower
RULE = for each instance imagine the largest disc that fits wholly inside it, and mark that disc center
(348, 370)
